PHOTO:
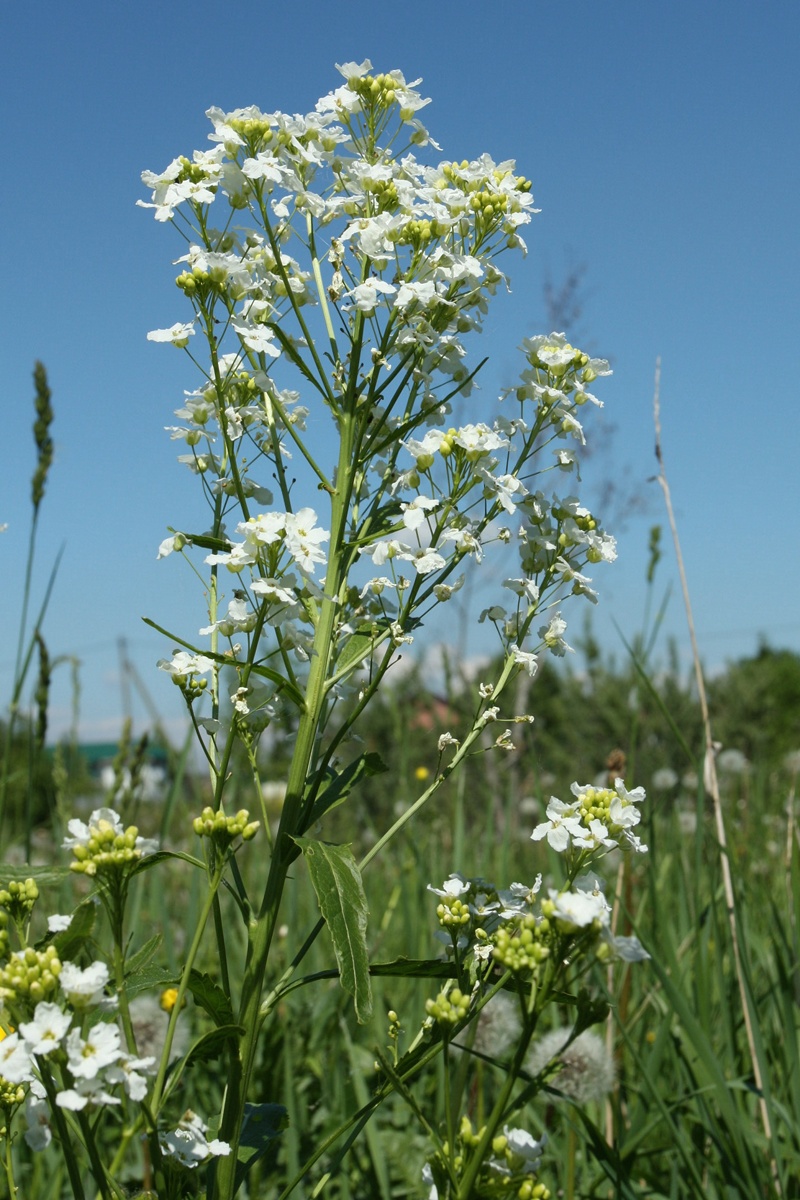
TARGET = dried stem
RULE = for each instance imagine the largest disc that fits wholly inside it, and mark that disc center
(711, 784)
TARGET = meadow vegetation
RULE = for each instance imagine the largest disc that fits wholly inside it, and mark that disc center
(410, 931)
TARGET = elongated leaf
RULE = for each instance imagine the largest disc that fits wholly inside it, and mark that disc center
(342, 784)
(340, 893)
(416, 968)
(148, 979)
(44, 876)
(152, 860)
(143, 955)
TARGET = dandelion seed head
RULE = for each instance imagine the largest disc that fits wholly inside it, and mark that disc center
(587, 1069)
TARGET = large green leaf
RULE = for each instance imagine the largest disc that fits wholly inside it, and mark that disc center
(340, 893)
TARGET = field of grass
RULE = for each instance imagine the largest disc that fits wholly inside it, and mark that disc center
(684, 1116)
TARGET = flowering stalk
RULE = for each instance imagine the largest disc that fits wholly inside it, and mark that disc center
(402, 262)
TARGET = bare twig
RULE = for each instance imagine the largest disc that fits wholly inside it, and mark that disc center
(711, 784)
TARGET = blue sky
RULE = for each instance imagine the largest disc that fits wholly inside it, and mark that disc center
(662, 143)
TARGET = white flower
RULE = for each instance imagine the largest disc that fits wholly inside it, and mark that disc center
(303, 541)
(85, 1092)
(58, 923)
(274, 590)
(628, 949)
(414, 513)
(130, 1072)
(239, 619)
(551, 635)
(478, 440)
(100, 822)
(37, 1115)
(44, 1033)
(446, 740)
(525, 659)
(580, 909)
(525, 1149)
(562, 824)
(178, 334)
(366, 294)
(188, 1143)
(425, 559)
(183, 665)
(84, 988)
(87, 1056)
(453, 887)
(257, 337)
(16, 1064)
(392, 548)
(101, 819)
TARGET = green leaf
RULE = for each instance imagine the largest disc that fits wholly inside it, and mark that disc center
(358, 646)
(209, 996)
(261, 1125)
(342, 784)
(211, 1044)
(416, 968)
(69, 942)
(340, 893)
(43, 876)
(142, 957)
(150, 979)
(152, 860)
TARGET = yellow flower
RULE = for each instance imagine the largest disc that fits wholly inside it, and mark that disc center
(421, 774)
(169, 998)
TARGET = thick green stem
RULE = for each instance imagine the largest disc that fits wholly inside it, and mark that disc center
(263, 926)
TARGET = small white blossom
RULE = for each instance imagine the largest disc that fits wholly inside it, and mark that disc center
(182, 665)
(178, 334)
(454, 886)
(88, 1056)
(562, 824)
(303, 541)
(188, 1143)
(579, 908)
(58, 923)
(37, 1115)
(525, 659)
(44, 1033)
(16, 1064)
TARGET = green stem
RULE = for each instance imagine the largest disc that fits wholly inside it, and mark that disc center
(67, 1144)
(158, 1087)
(9, 1162)
(263, 927)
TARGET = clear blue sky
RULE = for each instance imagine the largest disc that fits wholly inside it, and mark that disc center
(662, 142)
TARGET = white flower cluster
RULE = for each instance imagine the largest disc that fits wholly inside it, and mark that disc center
(95, 1061)
(597, 818)
(397, 261)
(93, 1064)
(478, 917)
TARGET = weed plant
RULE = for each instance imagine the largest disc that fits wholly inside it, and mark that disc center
(300, 982)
